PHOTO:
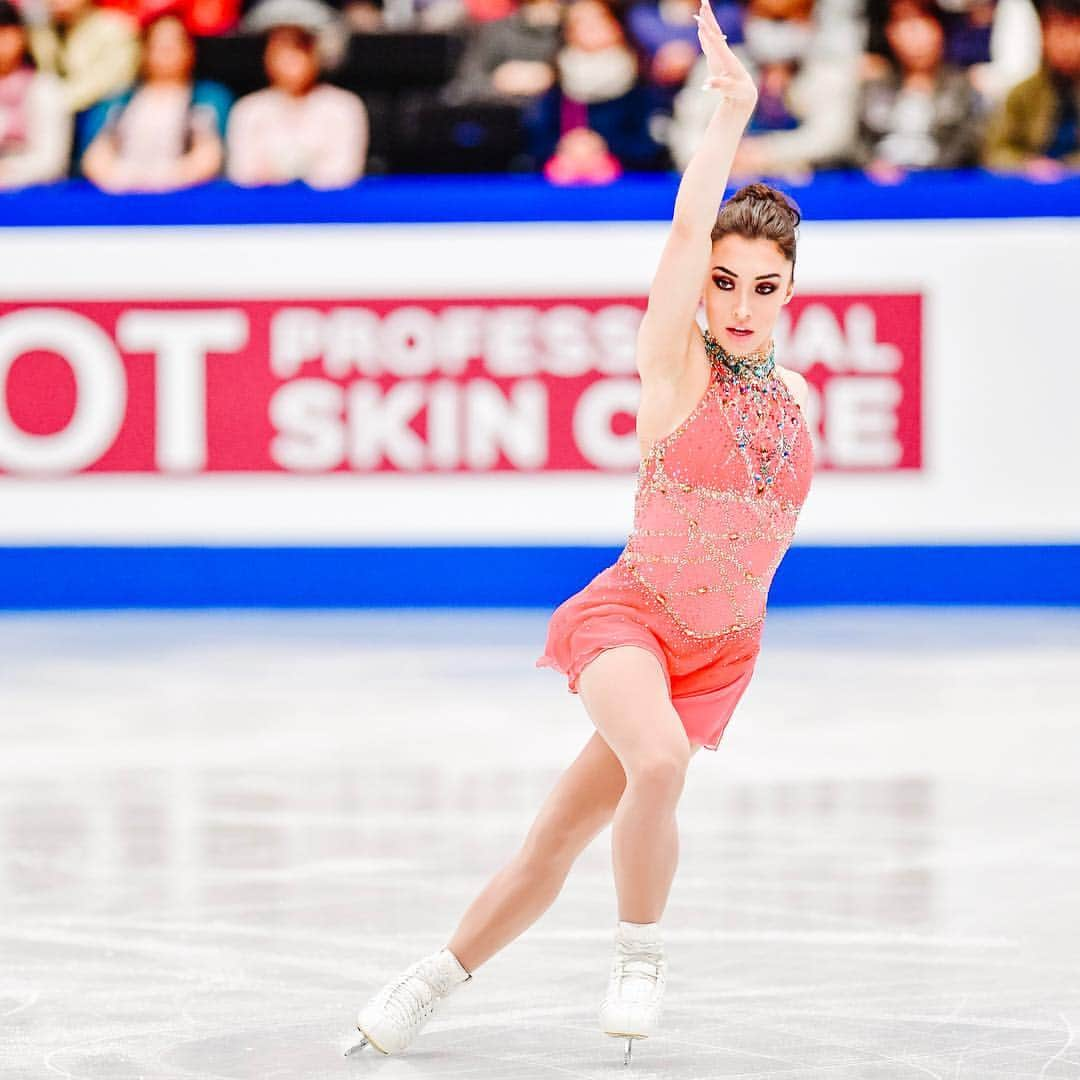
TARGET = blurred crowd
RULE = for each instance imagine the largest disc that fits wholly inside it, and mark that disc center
(159, 95)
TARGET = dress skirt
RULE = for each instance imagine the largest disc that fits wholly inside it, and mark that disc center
(705, 678)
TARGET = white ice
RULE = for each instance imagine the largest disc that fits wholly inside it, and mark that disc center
(220, 833)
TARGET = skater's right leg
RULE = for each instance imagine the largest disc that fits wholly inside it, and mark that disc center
(580, 805)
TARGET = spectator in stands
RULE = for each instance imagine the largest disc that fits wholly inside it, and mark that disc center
(922, 113)
(582, 157)
(1036, 131)
(35, 125)
(94, 50)
(995, 41)
(966, 24)
(166, 132)
(298, 128)
(666, 34)
(323, 21)
(805, 66)
(598, 89)
(510, 59)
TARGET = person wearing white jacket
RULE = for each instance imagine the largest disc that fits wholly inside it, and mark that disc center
(35, 124)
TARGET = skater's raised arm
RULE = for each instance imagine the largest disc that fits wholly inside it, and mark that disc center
(676, 288)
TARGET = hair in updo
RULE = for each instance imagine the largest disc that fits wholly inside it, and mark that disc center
(758, 211)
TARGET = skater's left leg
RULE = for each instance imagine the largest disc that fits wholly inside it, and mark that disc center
(625, 693)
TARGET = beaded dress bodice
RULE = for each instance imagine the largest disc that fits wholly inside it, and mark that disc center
(716, 505)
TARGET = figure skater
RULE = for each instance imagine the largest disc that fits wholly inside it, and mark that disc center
(661, 645)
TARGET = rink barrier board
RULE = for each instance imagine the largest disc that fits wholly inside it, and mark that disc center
(969, 529)
(70, 577)
(965, 481)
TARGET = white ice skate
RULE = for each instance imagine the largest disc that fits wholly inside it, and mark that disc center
(395, 1015)
(632, 1007)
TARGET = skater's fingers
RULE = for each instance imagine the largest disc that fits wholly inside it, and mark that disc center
(713, 41)
(708, 17)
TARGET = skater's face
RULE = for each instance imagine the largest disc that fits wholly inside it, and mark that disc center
(748, 282)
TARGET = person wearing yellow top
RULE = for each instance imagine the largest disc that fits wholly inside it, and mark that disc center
(93, 50)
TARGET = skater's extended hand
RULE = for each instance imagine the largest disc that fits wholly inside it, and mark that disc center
(726, 73)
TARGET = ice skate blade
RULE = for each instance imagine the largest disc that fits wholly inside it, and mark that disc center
(365, 1041)
(629, 1042)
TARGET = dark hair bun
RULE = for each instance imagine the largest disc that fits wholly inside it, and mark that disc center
(765, 193)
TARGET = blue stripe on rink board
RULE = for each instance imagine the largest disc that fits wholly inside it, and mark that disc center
(57, 578)
(844, 195)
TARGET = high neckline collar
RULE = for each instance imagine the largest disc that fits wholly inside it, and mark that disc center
(758, 363)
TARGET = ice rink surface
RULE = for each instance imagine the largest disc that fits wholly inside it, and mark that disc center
(222, 832)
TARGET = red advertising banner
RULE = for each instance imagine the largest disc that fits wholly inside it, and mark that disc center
(409, 385)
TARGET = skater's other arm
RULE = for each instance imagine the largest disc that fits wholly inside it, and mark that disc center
(676, 287)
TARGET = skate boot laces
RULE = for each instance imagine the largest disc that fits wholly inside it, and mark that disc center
(411, 998)
(395, 1015)
(638, 971)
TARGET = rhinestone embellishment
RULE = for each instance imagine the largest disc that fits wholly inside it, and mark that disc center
(758, 364)
(717, 500)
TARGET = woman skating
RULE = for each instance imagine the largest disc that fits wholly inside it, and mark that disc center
(662, 644)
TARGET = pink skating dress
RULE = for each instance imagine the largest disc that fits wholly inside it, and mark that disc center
(714, 513)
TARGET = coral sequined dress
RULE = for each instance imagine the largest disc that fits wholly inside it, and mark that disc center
(715, 510)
